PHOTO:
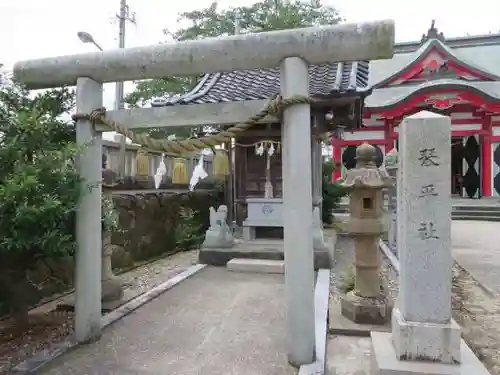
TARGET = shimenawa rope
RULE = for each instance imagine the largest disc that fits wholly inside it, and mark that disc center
(275, 107)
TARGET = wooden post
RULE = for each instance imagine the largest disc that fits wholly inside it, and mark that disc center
(88, 217)
(297, 213)
(230, 186)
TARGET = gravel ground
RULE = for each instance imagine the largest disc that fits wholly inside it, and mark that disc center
(478, 313)
(475, 309)
(44, 329)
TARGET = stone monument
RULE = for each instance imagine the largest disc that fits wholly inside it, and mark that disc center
(366, 304)
(219, 234)
(425, 339)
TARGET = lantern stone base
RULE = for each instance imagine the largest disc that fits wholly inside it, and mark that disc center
(365, 310)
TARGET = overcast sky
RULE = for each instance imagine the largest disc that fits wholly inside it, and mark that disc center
(43, 28)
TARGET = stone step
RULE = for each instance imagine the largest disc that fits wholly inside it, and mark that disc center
(476, 208)
(476, 218)
(256, 265)
(470, 214)
(476, 213)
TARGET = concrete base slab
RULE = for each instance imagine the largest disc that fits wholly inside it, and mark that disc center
(256, 265)
(263, 249)
(315, 368)
(348, 355)
(340, 325)
(432, 342)
(385, 362)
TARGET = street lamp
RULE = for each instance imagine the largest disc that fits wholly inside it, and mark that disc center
(88, 38)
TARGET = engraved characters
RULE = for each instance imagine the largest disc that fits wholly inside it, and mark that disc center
(428, 158)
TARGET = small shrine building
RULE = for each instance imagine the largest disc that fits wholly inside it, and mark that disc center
(458, 77)
(338, 91)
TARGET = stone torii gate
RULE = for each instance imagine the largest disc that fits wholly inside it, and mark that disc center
(292, 50)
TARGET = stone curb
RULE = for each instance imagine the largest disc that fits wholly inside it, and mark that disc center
(36, 363)
(395, 263)
(349, 332)
(491, 293)
(389, 255)
(120, 272)
(321, 299)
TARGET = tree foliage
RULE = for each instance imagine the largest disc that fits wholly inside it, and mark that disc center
(39, 184)
(265, 15)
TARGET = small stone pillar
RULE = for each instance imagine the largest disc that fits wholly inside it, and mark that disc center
(319, 243)
(111, 285)
(391, 165)
(366, 304)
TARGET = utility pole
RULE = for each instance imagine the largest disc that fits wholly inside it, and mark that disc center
(124, 16)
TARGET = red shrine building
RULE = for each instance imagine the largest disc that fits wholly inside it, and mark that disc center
(457, 77)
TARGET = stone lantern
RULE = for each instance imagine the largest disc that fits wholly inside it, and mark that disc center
(366, 304)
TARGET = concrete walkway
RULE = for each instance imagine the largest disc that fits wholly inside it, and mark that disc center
(215, 323)
(476, 247)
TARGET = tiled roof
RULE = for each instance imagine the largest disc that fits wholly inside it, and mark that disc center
(481, 53)
(422, 52)
(391, 96)
(328, 79)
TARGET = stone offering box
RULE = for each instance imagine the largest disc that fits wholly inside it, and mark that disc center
(262, 212)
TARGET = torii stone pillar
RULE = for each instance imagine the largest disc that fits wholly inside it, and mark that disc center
(297, 217)
(316, 45)
(88, 217)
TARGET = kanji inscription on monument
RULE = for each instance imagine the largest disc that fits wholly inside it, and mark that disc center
(428, 157)
(427, 230)
(424, 217)
(428, 190)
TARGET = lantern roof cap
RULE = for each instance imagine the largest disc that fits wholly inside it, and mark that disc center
(366, 175)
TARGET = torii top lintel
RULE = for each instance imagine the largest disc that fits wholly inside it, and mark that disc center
(317, 45)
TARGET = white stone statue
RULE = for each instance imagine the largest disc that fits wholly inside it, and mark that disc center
(219, 234)
(213, 218)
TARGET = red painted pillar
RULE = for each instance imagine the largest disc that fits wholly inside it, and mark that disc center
(388, 131)
(486, 156)
(337, 158)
